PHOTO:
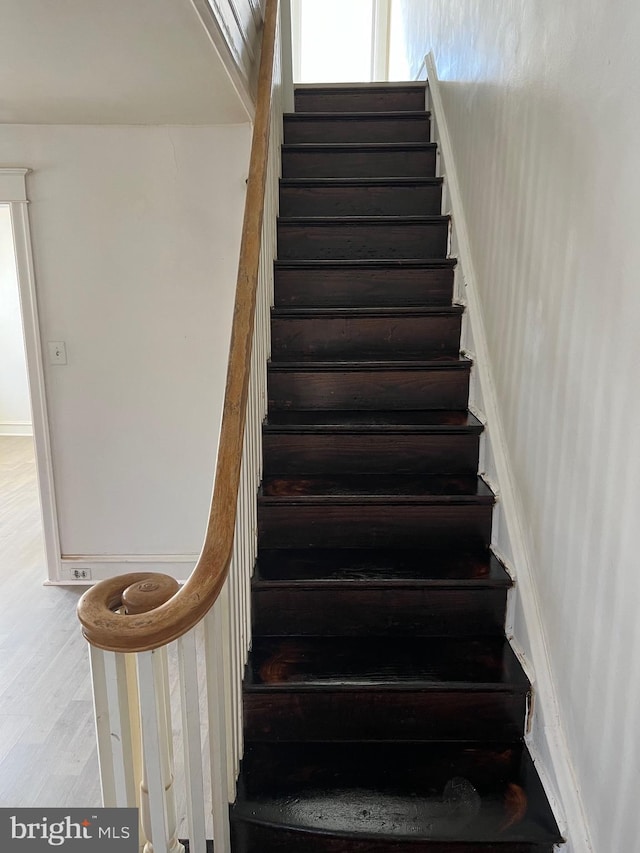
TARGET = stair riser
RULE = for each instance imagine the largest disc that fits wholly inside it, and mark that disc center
(368, 389)
(354, 100)
(343, 163)
(383, 715)
(380, 453)
(361, 201)
(338, 241)
(254, 838)
(386, 565)
(355, 287)
(356, 129)
(379, 612)
(367, 338)
(417, 767)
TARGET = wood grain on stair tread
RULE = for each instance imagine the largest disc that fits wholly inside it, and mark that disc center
(346, 688)
(347, 486)
(397, 791)
(367, 334)
(263, 838)
(370, 523)
(363, 282)
(338, 160)
(434, 384)
(399, 126)
(381, 567)
(383, 713)
(358, 421)
(360, 312)
(459, 364)
(358, 99)
(350, 662)
(372, 609)
(316, 452)
(365, 197)
(381, 237)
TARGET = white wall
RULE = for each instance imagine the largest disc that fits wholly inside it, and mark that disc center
(135, 234)
(84, 62)
(15, 410)
(541, 100)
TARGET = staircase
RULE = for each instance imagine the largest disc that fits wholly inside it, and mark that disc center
(384, 709)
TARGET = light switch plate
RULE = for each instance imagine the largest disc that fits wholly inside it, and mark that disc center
(57, 352)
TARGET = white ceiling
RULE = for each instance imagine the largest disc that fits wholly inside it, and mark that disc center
(110, 62)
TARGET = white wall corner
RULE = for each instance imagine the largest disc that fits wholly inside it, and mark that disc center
(546, 739)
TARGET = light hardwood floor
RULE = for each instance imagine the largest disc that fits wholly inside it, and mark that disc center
(47, 741)
(47, 737)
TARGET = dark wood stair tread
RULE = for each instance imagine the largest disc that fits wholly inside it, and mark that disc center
(405, 333)
(439, 363)
(365, 221)
(440, 383)
(351, 567)
(358, 146)
(381, 237)
(384, 708)
(365, 311)
(358, 159)
(364, 196)
(364, 263)
(350, 283)
(398, 663)
(362, 182)
(399, 115)
(356, 98)
(437, 488)
(428, 422)
(413, 791)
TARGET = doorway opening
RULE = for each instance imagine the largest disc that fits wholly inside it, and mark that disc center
(361, 41)
(15, 406)
(28, 515)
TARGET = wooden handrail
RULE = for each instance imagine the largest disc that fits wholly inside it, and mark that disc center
(141, 631)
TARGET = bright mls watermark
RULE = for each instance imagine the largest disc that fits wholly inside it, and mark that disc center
(69, 830)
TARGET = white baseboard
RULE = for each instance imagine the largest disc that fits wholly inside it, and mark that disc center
(16, 428)
(104, 566)
(546, 740)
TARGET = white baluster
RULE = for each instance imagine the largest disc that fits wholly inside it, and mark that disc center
(194, 771)
(157, 800)
(113, 728)
(222, 782)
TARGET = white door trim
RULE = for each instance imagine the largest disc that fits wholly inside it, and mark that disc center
(380, 44)
(13, 191)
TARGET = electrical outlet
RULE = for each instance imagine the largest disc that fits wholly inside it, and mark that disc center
(79, 574)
